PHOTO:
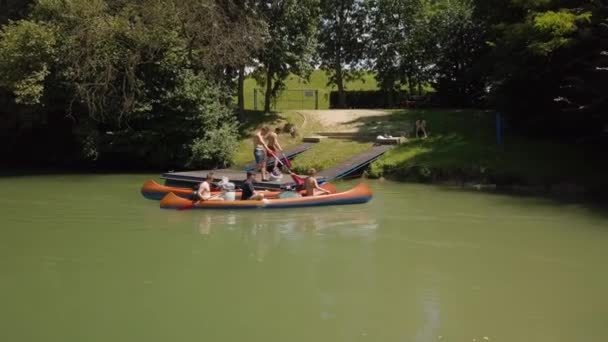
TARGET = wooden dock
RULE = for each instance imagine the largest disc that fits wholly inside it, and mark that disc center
(356, 163)
(190, 178)
(344, 169)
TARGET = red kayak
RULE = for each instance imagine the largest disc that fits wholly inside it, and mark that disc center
(359, 194)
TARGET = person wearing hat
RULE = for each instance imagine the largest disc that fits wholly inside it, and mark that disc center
(204, 190)
(248, 191)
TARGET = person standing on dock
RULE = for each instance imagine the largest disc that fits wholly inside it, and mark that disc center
(260, 149)
(274, 147)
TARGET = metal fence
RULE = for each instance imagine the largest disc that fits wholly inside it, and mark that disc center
(288, 99)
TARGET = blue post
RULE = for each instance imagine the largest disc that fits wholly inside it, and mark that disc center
(499, 128)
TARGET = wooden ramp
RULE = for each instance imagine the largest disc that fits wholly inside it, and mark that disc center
(355, 163)
(290, 153)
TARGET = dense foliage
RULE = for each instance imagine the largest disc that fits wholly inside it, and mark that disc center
(135, 82)
(152, 82)
(342, 42)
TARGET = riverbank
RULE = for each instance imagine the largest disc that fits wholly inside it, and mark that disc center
(461, 149)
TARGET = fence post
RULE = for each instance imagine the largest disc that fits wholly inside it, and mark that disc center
(255, 98)
(316, 98)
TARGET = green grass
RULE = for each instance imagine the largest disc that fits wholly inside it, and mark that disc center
(294, 98)
(328, 153)
(461, 146)
(321, 156)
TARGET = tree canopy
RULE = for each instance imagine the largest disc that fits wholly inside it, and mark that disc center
(154, 81)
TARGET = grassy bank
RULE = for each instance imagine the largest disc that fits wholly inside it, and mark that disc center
(461, 147)
(321, 156)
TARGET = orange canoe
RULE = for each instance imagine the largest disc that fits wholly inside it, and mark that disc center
(359, 194)
(153, 190)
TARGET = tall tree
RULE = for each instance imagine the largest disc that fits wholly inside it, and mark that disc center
(290, 48)
(150, 72)
(458, 39)
(341, 41)
(396, 53)
(550, 61)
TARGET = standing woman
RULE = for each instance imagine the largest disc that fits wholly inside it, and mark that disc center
(260, 149)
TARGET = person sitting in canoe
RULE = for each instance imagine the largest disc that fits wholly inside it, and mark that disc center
(311, 185)
(204, 190)
(248, 191)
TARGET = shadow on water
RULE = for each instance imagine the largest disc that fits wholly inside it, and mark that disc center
(596, 204)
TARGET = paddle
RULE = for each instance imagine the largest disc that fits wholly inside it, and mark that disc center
(285, 160)
(297, 179)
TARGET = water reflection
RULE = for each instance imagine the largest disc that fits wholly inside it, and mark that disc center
(345, 222)
(266, 229)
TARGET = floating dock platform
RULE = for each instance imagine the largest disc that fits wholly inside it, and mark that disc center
(356, 163)
(189, 178)
(344, 169)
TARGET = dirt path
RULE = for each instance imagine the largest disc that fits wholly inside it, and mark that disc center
(353, 120)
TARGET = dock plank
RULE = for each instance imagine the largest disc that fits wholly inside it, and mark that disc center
(355, 163)
(190, 178)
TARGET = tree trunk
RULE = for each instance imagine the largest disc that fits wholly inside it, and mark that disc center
(241, 91)
(267, 95)
(340, 84)
(410, 83)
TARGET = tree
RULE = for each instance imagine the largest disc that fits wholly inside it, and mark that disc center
(550, 59)
(342, 41)
(290, 48)
(143, 82)
(399, 48)
(458, 39)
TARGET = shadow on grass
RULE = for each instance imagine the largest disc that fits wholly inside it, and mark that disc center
(471, 123)
(250, 120)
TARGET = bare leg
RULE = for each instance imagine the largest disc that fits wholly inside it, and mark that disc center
(263, 164)
(257, 197)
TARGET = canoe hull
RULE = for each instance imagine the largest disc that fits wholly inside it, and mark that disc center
(359, 194)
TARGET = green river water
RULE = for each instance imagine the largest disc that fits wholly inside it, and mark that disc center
(87, 258)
